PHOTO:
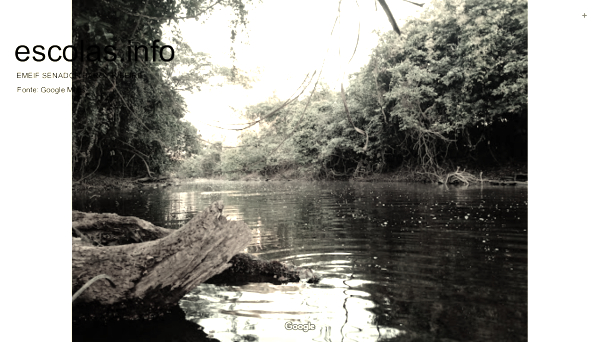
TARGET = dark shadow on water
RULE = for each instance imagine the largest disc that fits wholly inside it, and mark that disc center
(170, 328)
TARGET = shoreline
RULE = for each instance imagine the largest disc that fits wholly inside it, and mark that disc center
(511, 174)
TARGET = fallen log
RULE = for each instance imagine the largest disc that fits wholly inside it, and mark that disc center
(152, 179)
(246, 268)
(150, 277)
(125, 268)
(113, 230)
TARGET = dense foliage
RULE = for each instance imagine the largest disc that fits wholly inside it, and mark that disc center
(450, 90)
(124, 124)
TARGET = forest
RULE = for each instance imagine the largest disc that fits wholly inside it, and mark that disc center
(443, 91)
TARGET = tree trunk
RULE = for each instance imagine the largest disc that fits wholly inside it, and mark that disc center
(112, 229)
(150, 277)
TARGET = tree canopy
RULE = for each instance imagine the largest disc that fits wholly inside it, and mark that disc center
(445, 88)
(450, 88)
(127, 113)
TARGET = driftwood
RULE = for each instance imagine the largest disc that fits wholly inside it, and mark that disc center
(112, 229)
(246, 268)
(152, 179)
(125, 268)
(459, 177)
(150, 277)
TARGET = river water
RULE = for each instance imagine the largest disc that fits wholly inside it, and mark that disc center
(399, 261)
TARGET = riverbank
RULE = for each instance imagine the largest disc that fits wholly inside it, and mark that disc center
(102, 182)
(495, 174)
(505, 174)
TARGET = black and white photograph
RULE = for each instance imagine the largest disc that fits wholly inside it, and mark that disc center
(263, 170)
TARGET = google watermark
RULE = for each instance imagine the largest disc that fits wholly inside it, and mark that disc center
(295, 326)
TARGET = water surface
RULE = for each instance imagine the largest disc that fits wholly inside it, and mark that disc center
(400, 262)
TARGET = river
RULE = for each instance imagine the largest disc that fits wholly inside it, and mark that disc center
(399, 261)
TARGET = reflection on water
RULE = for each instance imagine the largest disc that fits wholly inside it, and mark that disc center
(262, 310)
(405, 262)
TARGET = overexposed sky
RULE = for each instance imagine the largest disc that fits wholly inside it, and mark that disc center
(284, 41)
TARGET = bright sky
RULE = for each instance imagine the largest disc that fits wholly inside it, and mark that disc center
(285, 40)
